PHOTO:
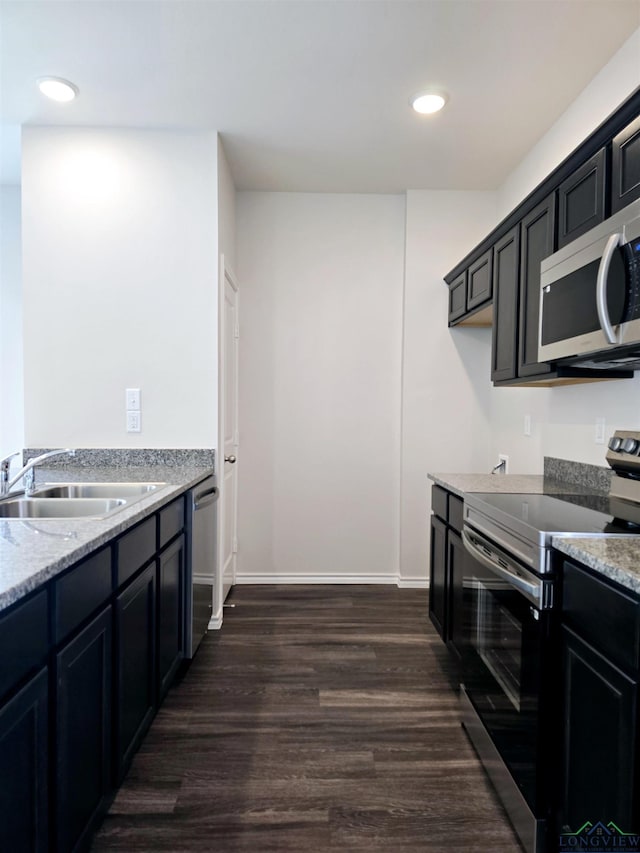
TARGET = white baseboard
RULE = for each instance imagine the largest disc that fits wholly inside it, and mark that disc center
(413, 583)
(406, 583)
(215, 623)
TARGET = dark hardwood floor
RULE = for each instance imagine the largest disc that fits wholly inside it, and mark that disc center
(320, 718)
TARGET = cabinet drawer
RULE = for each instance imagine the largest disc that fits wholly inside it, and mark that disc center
(603, 615)
(135, 549)
(24, 640)
(456, 506)
(171, 521)
(81, 592)
(439, 502)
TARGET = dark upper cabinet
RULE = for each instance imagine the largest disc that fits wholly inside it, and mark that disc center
(458, 298)
(600, 708)
(135, 676)
(83, 729)
(625, 166)
(171, 590)
(480, 282)
(581, 199)
(24, 769)
(504, 341)
(537, 243)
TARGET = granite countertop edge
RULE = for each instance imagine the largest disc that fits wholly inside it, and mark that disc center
(614, 557)
(35, 551)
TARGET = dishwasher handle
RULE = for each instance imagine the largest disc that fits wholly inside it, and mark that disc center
(205, 498)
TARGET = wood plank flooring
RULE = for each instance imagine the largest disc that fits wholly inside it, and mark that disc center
(320, 718)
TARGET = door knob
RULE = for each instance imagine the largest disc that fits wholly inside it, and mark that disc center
(230, 459)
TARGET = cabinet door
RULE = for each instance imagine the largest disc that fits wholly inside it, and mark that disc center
(504, 342)
(479, 288)
(455, 565)
(24, 769)
(581, 199)
(83, 728)
(171, 578)
(458, 298)
(438, 575)
(625, 166)
(599, 739)
(537, 243)
(135, 665)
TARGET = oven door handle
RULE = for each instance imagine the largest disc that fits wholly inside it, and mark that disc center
(532, 590)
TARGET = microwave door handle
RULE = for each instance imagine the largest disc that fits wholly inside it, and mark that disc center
(601, 287)
(533, 591)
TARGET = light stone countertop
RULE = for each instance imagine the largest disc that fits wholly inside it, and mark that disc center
(614, 557)
(531, 484)
(34, 551)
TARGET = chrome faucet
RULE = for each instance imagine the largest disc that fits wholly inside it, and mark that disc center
(28, 472)
(5, 467)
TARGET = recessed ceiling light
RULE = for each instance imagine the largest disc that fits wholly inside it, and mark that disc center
(57, 89)
(428, 102)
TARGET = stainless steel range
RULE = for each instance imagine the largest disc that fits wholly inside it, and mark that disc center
(510, 666)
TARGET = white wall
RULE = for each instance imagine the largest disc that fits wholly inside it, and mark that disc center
(320, 364)
(11, 367)
(446, 373)
(563, 419)
(612, 85)
(226, 209)
(120, 281)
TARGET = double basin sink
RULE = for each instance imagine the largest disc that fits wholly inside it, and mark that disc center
(75, 500)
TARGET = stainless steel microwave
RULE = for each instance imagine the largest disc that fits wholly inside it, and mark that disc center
(590, 296)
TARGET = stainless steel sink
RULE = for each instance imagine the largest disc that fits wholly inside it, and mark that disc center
(60, 507)
(128, 491)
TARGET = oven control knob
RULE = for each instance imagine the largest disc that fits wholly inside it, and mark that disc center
(615, 443)
(630, 445)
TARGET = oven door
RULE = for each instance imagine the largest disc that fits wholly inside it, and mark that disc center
(507, 624)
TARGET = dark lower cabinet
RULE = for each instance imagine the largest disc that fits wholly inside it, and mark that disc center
(171, 580)
(135, 665)
(438, 575)
(600, 702)
(455, 553)
(24, 769)
(83, 732)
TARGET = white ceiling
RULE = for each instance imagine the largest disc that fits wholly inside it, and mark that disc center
(312, 95)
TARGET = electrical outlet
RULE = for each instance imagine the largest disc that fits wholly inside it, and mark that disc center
(133, 399)
(133, 421)
(599, 431)
(527, 425)
(502, 457)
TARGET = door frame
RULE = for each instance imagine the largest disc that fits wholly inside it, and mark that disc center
(225, 274)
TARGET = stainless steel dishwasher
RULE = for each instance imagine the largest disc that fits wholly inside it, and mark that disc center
(201, 561)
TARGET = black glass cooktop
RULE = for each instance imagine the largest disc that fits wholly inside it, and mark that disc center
(566, 513)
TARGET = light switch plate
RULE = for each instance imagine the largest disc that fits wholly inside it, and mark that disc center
(133, 399)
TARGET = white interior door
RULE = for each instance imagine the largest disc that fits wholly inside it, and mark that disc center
(228, 336)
